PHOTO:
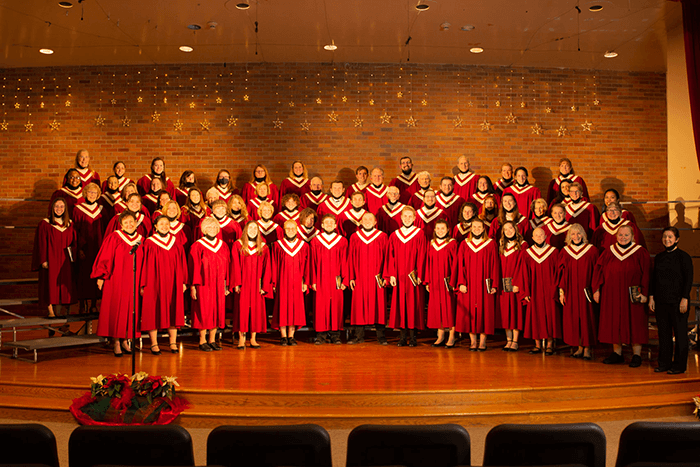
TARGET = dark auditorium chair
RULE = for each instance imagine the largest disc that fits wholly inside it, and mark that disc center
(556, 444)
(659, 442)
(170, 445)
(269, 446)
(29, 443)
(410, 446)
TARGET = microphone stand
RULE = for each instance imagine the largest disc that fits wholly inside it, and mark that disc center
(132, 252)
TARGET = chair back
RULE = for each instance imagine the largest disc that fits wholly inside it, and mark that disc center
(29, 443)
(661, 442)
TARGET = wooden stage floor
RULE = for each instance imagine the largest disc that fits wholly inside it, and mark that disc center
(342, 386)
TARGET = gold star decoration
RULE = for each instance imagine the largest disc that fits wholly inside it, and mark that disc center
(596, 102)
(548, 110)
(41, 105)
(291, 103)
(305, 126)
(562, 131)
(470, 104)
(318, 100)
(537, 129)
(587, 126)
(424, 102)
(99, 120)
(498, 103)
(113, 101)
(411, 121)
(219, 100)
(358, 122)
(126, 121)
(67, 103)
(333, 117)
(278, 123)
(523, 104)
(3, 125)
(510, 118)
(155, 116)
(345, 98)
(399, 94)
(231, 120)
(139, 99)
(54, 125)
(457, 122)
(246, 97)
(192, 105)
(385, 118)
(178, 125)
(573, 108)
(165, 100)
(205, 125)
(17, 105)
(28, 126)
(371, 102)
(485, 126)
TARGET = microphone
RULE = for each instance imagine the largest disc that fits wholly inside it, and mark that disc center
(135, 247)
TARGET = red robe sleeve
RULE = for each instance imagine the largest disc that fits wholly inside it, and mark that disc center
(104, 263)
(235, 272)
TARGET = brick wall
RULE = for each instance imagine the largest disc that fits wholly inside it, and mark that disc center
(626, 149)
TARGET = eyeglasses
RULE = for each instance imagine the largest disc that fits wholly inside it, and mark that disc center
(74, 178)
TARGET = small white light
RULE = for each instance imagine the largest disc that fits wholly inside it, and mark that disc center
(595, 8)
(46, 51)
(186, 48)
(330, 47)
(476, 50)
(243, 5)
(610, 54)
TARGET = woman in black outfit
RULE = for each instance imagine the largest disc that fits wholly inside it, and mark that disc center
(669, 293)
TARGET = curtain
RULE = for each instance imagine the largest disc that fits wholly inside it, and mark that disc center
(691, 35)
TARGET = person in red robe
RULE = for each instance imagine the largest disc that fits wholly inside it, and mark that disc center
(163, 198)
(307, 224)
(349, 220)
(623, 265)
(389, 216)
(406, 181)
(562, 197)
(376, 191)
(449, 201)
(440, 264)
(194, 210)
(224, 185)
(180, 230)
(71, 191)
(428, 214)
(157, 171)
(538, 217)
(405, 269)
(580, 211)
(506, 179)
(538, 283)
(484, 189)
(143, 221)
(477, 274)
(270, 230)
(116, 278)
(315, 195)
(229, 230)
(336, 203)
(209, 267)
(566, 172)
(290, 281)
(119, 169)
(89, 229)
(606, 234)
(128, 190)
(489, 211)
(509, 211)
(509, 305)
(289, 209)
(524, 193)
(424, 181)
(163, 284)
(329, 278)
(465, 179)
(464, 222)
(557, 227)
(188, 180)
(150, 199)
(238, 211)
(362, 175)
(110, 196)
(82, 165)
(251, 275)
(260, 175)
(366, 260)
(55, 248)
(262, 195)
(611, 195)
(297, 182)
(577, 261)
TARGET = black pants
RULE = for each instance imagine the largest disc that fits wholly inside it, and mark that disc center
(670, 321)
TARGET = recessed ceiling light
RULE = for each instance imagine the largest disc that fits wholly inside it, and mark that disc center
(330, 46)
(243, 5)
(46, 51)
(194, 27)
(595, 7)
(422, 7)
(610, 54)
(467, 27)
(186, 48)
(476, 50)
(65, 4)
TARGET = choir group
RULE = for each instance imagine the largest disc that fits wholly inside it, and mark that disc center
(468, 257)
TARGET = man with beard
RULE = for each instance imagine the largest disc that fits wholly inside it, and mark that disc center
(315, 195)
(449, 201)
(406, 181)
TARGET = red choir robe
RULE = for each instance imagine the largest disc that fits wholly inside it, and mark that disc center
(284, 216)
(115, 265)
(120, 207)
(479, 198)
(509, 304)
(389, 218)
(307, 234)
(290, 272)
(451, 206)
(87, 175)
(426, 219)
(495, 229)
(271, 231)
(617, 269)
(254, 204)
(242, 221)
(563, 202)
(538, 280)
(209, 265)
(353, 188)
(417, 198)
(224, 194)
(183, 234)
(461, 231)
(524, 196)
(181, 196)
(56, 284)
(606, 234)
(251, 272)
(349, 221)
(107, 201)
(442, 255)
(89, 228)
(366, 260)
(296, 185)
(155, 215)
(583, 213)
(407, 185)
(229, 233)
(553, 190)
(502, 184)
(144, 185)
(576, 265)
(163, 275)
(309, 200)
(150, 202)
(143, 224)
(375, 197)
(329, 253)
(249, 193)
(626, 215)
(193, 218)
(72, 197)
(556, 233)
(407, 252)
(333, 206)
(477, 261)
(534, 223)
(124, 181)
(465, 184)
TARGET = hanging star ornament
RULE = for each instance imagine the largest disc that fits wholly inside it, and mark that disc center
(305, 126)
(548, 110)
(178, 125)
(498, 103)
(219, 100)
(126, 122)
(41, 105)
(345, 98)
(411, 122)
(155, 116)
(3, 125)
(523, 104)
(332, 117)
(385, 117)
(291, 103)
(485, 126)
(399, 94)
(205, 125)
(596, 102)
(537, 129)
(17, 105)
(510, 118)
(28, 127)
(318, 100)
(358, 122)
(231, 120)
(278, 123)
(67, 104)
(424, 102)
(54, 125)
(457, 122)
(470, 104)
(113, 101)
(562, 131)
(573, 108)
(99, 120)
(139, 99)
(165, 100)
(192, 105)
(587, 126)
(371, 102)
(246, 97)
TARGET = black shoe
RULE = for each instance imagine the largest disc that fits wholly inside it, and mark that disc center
(214, 346)
(481, 349)
(241, 347)
(675, 371)
(283, 342)
(320, 341)
(155, 352)
(577, 355)
(125, 350)
(205, 347)
(614, 358)
(118, 354)
(448, 346)
(661, 369)
(174, 350)
(549, 351)
(473, 349)
(291, 341)
(402, 342)
(382, 341)
(254, 346)
(535, 350)
(412, 342)
(442, 343)
(335, 338)
(587, 357)
(636, 361)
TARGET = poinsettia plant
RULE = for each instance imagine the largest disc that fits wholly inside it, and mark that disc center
(153, 386)
(696, 412)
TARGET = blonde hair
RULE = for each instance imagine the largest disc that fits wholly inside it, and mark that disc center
(305, 174)
(166, 205)
(265, 204)
(209, 220)
(93, 185)
(244, 210)
(259, 244)
(578, 228)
